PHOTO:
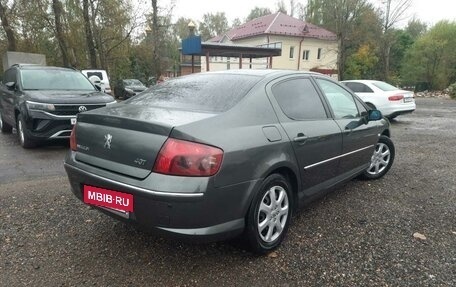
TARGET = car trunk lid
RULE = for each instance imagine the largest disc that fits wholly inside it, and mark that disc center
(126, 139)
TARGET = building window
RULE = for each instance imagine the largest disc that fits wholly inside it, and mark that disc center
(291, 52)
(319, 53)
(305, 55)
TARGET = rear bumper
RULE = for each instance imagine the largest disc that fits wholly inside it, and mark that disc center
(204, 215)
(393, 110)
(398, 113)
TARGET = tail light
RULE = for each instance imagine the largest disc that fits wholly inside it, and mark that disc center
(184, 158)
(396, 98)
(73, 145)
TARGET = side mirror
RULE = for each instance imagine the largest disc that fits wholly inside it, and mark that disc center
(98, 87)
(374, 115)
(11, 86)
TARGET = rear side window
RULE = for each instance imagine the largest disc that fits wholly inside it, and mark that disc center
(200, 92)
(299, 100)
(358, 87)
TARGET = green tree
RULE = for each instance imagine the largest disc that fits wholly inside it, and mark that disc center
(89, 35)
(403, 42)
(236, 22)
(181, 29)
(392, 12)
(257, 12)
(361, 65)
(5, 18)
(281, 7)
(341, 17)
(213, 25)
(415, 28)
(432, 58)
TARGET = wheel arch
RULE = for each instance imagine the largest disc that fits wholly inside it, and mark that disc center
(386, 133)
(291, 173)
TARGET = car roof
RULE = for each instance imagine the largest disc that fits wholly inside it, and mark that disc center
(39, 67)
(261, 72)
(362, 81)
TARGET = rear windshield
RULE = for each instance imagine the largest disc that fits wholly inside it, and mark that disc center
(385, 86)
(48, 79)
(202, 92)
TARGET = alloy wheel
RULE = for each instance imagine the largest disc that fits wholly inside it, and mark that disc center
(273, 213)
(380, 159)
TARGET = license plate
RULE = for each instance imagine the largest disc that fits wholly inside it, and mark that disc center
(73, 121)
(408, 100)
(118, 201)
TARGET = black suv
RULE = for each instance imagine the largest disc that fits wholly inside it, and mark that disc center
(42, 102)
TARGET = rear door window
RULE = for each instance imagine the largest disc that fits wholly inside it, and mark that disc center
(299, 99)
(198, 92)
(358, 87)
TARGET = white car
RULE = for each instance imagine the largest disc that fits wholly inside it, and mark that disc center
(100, 76)
(388, 99)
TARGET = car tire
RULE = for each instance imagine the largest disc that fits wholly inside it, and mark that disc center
(24, 138)
(270, 214)
(381, 160)
(4, 126)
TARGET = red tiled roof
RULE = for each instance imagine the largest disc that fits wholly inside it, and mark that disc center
(276, 24)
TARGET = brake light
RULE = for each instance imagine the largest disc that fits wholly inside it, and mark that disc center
(184, 158)
(73, 145)
(396, 98)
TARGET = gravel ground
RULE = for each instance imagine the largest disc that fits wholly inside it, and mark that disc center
(360, 235)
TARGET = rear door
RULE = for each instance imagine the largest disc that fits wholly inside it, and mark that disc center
(316, 138)
(358, 137)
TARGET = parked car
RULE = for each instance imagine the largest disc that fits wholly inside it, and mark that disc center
(213, 155)
(99, 75)
(42, 102)
(390, 100)
(128, 88)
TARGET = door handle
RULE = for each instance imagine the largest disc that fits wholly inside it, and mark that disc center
(301, 138)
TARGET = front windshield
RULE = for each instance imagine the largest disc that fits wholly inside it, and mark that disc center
(132, 82)
(49, 79)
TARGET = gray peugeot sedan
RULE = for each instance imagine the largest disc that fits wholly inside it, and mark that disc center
(214, 155)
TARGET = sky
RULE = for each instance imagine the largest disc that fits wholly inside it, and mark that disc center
(428, 11)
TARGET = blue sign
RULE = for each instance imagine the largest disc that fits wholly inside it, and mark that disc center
(191, 45)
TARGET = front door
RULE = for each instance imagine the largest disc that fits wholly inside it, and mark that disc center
(316, 138)
(359, 138)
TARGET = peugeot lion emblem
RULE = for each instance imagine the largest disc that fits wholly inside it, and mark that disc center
(108, 139)
(82, 109)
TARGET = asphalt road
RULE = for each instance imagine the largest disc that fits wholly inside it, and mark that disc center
(360, 235)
